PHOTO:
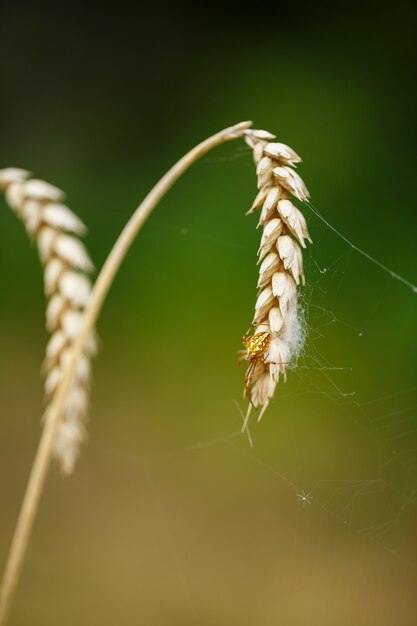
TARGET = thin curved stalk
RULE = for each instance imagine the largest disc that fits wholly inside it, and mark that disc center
(101, 288)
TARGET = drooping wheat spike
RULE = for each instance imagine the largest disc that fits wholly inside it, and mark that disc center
(278, 333)
(55, 229)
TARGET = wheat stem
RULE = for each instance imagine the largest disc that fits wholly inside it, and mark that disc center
(98, 295)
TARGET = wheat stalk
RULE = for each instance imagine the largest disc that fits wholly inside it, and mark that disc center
(277, 316)
(280, 177)
(55, 229)
(62, 391)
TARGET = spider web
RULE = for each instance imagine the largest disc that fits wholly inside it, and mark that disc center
(338, 545)
(350, 553)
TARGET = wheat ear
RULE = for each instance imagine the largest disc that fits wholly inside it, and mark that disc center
(55, 229)
(56, 408)
(281, 264)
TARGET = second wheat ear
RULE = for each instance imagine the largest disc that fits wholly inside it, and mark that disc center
(278, 332)
(55, 230)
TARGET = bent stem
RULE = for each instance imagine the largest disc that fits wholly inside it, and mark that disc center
(101, 288)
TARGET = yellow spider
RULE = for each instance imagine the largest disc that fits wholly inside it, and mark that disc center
(254, 352)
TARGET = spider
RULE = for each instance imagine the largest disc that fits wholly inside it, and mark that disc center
(254, 352)
(304, 498)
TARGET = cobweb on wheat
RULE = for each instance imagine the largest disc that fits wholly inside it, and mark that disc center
(348, 529)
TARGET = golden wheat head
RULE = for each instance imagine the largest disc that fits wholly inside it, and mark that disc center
(56, 229)
(277, 316)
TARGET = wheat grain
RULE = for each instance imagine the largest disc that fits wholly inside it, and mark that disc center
(55, 228)
(281, 266)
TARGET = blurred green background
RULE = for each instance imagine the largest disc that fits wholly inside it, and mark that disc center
(171, 517)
